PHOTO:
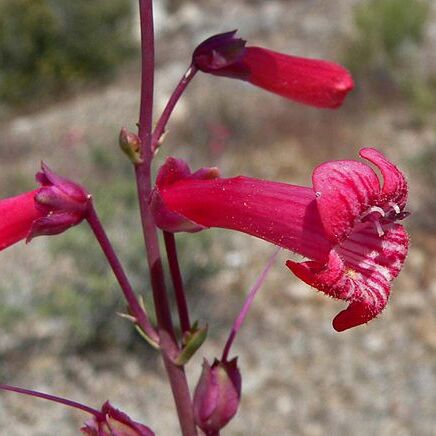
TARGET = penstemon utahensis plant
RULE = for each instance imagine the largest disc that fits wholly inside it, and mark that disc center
(345, 225)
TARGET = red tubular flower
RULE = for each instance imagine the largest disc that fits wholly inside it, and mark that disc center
(112, 422)
(314, 82)
(217, 395)
(16, 217)
(345, 225)
(49, 210)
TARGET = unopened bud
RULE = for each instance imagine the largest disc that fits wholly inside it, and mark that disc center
(131, 145)
(217, 395)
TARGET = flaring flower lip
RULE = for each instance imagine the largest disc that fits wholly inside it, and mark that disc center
(313, 82)
(346, 225)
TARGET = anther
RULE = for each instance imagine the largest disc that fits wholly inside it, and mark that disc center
(395, 207)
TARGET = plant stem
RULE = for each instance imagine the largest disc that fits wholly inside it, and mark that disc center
(176, 276)
(175, 96)
(176, 374)
(246, 307)
(136, 309)
(53, 398)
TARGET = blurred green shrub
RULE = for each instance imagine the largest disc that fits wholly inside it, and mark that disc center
(48, 45)
(384, 29)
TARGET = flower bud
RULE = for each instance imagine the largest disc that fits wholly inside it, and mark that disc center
(113, 422)
(217, 395)
(130, 144)
(314, 82)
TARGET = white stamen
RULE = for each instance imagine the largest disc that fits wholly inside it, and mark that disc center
(395, 207)
(377, 209)
(379, 228)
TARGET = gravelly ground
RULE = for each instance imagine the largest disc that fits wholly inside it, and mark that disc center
(300, 377)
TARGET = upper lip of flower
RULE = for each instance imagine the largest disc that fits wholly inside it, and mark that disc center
(349, 191)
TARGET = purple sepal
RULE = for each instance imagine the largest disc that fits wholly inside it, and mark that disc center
(52, 224)
(62, 202)
(217, 395)
(222, 54)
(47, 177)
(173, 171)
(58, 194)
(168, 220)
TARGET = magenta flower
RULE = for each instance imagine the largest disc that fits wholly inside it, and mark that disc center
(310, 81)
(345, 225)
(49, 210)
(217, 395)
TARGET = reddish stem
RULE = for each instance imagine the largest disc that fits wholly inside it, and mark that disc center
(175, 96)
(53, 398)
(136, 309)
(246, 307)
(176, 374)
(176, 276)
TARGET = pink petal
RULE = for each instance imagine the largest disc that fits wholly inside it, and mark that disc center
(356, 314)
(395, 184)
(344, 190)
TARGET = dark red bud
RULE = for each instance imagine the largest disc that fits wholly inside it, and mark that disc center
(219, 52)
(217, 395)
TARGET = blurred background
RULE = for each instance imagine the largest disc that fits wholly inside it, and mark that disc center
(69, 79)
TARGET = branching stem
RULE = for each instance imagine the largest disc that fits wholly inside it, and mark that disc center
(176, 374)
(137, 311)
